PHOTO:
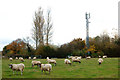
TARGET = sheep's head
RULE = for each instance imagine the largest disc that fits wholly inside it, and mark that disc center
(10, 66)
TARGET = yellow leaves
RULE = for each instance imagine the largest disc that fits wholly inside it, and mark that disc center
(92, 48)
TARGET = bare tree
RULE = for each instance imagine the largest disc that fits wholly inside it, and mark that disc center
(38, 35)
(48, 29)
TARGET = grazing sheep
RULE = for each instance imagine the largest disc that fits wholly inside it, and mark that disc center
(46, 67)
(70, 57)
(29, 58)
(100, 60)
(38, 63)
(11, 59)
(105, 56)
(34, 58)
(66, 61)
(79, 58)
(16, 58)
(99, 56)
(21, 59)
(51, 61)
(75, 60)
(17, 67)
(88, 57)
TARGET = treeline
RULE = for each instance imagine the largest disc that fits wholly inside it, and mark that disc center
(98, 47)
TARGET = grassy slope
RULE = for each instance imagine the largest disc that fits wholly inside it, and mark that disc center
(87, 69)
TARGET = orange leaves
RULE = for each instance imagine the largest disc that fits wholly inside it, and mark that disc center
(16, 46)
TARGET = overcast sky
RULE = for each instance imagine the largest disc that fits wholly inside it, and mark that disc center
(68, 17)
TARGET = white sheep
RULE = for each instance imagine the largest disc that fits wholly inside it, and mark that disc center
(29, 58)
(100, 60)
(79, 58)
(99, 56)
(88, 57)
(70, 57)
(11, 59)
(17, 67)
(104, 56)
(16, 58)
(51, 61)
(66, 61)
(38, 63)
(46, 67)
(74, 59)
(34, 58)
(21, 59)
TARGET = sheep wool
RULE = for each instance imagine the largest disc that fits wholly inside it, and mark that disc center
(105, 56)
(16, 58)
(100, 60)
(17, 67)
(46, 67)
(88, 57)
(11, 59)
(30, 58)
(38, 63)
(66, 61)
(75, 60)
(34, 58)
(51, 61)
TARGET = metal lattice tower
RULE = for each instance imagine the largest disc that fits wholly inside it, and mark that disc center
(87, 16)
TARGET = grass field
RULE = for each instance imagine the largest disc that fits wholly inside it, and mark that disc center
(86, 69)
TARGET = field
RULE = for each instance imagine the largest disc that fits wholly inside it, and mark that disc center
(85, 69)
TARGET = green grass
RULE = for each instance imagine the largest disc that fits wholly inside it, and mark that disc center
(86, 69)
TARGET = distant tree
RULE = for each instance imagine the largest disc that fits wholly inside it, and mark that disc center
(48, 28)
(38, 29)
(16, 47)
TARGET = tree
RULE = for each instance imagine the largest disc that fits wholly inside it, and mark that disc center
(38, 29)
(48, 29)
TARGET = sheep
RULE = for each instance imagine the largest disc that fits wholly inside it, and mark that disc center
(38, 63)
(79, 58)
(75, 60)
(17, 67)
(100, 60)
(21, 59)
(66, 61)
(88, 57)
(11, 59)
(51, 61)
(104, 56)
(70, 57)
(46, 67)
(16, 58)
(34, 58)
(29, 58)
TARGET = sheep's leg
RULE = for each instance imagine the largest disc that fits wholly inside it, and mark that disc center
(32, 65)
(21, 72)
(55, 64)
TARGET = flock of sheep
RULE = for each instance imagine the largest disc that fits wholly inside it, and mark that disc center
(48, 66)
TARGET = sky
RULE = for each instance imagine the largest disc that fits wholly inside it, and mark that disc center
(68, 18)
